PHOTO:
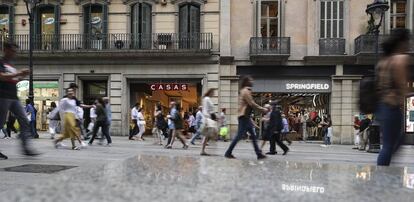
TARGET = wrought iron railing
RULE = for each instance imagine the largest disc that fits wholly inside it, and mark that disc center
(367, 43)
(79, 42)
(332, 46)
(270, 46)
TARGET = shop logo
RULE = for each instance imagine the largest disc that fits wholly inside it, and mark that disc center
(49, 21)
(4, 21)
(22, 85)
(96, 20)
(169, 87)
(307, 86)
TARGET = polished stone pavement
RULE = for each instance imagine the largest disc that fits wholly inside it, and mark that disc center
(141, 171)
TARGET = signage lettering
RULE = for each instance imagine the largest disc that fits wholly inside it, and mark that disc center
(169, 87)
(307, 86)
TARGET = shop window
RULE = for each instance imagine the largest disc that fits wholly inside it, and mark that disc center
(189, 26)
(95, 25)
(332, 19)
(46, 29)
(270, 18)
(6, 21)
(141, 27)
(398, 14)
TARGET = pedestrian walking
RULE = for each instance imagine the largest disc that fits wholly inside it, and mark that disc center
(54, 118)
(246, 106)
(392, 71)
(11, 119)
(108, 109)
(176, 126)
(67, 107)
(159, 123)
(285, 130)
(9, 76)
(31, 113)
(265, 123)
(101, 122)
(198, 120)
(274, 130)
(134, 119)
(141, 124)
(363, 132)
(326, 128)
(210, 129)
(357, 125)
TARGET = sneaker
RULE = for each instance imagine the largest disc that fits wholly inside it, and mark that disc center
(83, 144)
(271, 153)
(192, 143)
(168, 147)
(3, 157)
(185, 147)
(109, 145)
(75, 148)
(29, 152)
(285, 152)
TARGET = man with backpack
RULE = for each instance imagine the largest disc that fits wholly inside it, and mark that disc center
(274, 130)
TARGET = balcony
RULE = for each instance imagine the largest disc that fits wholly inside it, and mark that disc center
(163, 44)
(269, 49)
(332, 46)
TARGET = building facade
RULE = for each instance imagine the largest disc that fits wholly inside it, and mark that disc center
(308, 54)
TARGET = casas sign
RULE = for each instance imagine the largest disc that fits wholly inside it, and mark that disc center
(169, 87)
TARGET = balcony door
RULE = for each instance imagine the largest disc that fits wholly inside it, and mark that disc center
(6, 22)
(269, 21)
(189, 26)
(331, 40)
(95, 26)
(46, 27)
(141, 26)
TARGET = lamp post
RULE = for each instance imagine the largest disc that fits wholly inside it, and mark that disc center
(376, 10)
(30, 5)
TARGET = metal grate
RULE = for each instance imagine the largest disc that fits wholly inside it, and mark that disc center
(38, 168)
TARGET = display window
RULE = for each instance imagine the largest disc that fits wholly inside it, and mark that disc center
(150, 94)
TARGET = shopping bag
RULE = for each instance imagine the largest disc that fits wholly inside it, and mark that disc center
(224, 131)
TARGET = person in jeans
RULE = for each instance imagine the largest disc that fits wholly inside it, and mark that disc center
(392, 72)
(141, 124)
(198, 121)
(246, 105)
(9, 76)
(176, 126)
(9, 126)
(285, 130)
(159, 123)
(31, 112)
(101, 122)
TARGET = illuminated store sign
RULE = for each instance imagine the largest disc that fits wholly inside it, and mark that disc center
(169, 87)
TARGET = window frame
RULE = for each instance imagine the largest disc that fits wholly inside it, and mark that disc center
(327, 19)
(268, 18)
(393, 16)
(189, 18)
(140, 14)
(11, 10)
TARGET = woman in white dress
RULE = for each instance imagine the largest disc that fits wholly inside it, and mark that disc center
(210, 129)
(141, 124)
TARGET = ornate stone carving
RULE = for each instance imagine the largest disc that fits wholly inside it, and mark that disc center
(126, 2)
(188, 1)
(82, 2)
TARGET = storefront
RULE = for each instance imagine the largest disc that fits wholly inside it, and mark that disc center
(151, 92)
(45, 92)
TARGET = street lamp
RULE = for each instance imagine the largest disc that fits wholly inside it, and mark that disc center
(376, 10)
(30, 5)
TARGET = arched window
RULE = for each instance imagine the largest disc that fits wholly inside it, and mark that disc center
(141, 25)
(189, 26)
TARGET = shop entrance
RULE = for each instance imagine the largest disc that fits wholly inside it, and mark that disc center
(93, 89)
(304, 112)
(149, 93)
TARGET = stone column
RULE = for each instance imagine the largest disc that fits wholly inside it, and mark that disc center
(115, 95)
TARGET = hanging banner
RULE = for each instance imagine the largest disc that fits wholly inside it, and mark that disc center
(169, 87)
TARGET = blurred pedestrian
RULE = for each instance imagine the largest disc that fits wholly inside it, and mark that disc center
(274, 130)
(67, 106)
(53, 116)
(159, 123)
(134, 119)
(31, 113)
(199, 122)
(176, 126)
(108, 113)
(392, 72)
(210, 129)
(357, 125)
(265, 124)
(11, 119)
(246, 106)
(101, 122)
(9, 76)
(141, 124)
(285, 130)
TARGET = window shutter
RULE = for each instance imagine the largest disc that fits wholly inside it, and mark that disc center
(146, 19)
(105, 19)
(135, 19)
(86, 19)
(57, 20)
(194, 19)
(11, 20)
(183, 19)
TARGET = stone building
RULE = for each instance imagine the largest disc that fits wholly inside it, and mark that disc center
(308, 54)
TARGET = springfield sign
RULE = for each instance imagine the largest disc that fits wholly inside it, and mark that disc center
(286, 85)
(307, 86)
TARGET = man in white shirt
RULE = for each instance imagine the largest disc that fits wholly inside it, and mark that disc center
(134, 119)
(198, 121)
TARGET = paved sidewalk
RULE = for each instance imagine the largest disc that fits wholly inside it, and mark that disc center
(90, 161)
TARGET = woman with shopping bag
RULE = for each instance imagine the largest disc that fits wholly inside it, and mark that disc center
(210, 128)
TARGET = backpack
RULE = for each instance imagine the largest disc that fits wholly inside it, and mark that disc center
(368, 96)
